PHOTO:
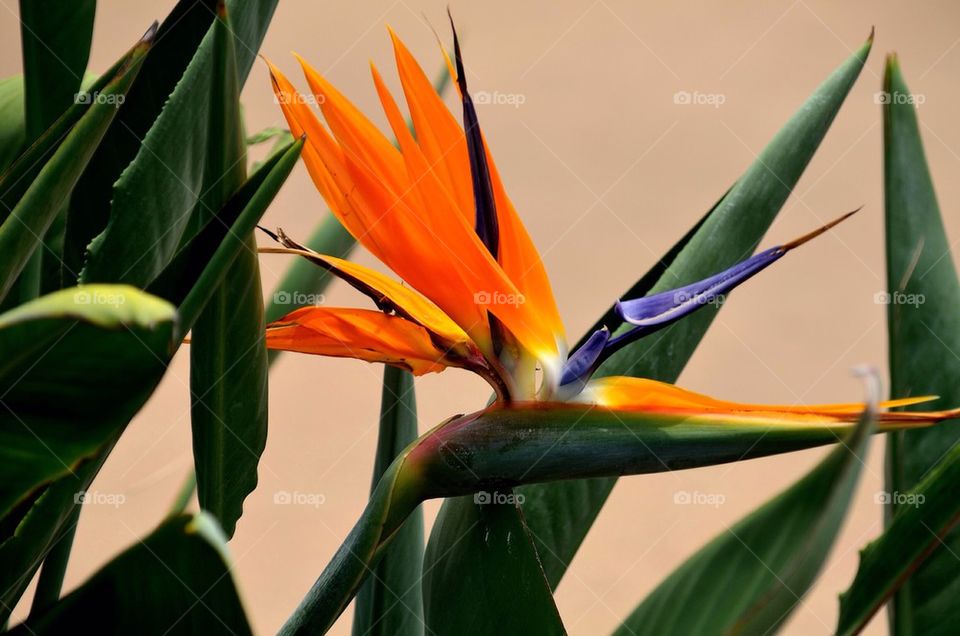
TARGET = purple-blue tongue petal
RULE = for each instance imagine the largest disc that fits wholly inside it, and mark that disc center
(487, 227)
(654, 312)
(585, 360)
(661, 309)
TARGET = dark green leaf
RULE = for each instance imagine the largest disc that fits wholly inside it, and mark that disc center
(177, 41)
(918, 531)
(163, 177)
(12, 130)
(750, 578)
(923, 321)
(390, 602)
(177, 580)
(199, 268)
(497, 449)
(228, 383)
(35, 211)
(55, 38)
(497, 563)
(62, 408)
(559, 515)
(228, 356)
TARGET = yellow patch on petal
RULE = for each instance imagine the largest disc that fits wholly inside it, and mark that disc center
(406, 301)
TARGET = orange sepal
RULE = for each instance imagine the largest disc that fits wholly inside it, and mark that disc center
(361, 334)
(640, 394)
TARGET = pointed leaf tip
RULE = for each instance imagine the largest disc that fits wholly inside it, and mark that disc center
(797, 242)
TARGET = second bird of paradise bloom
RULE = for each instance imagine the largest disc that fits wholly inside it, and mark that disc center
(475, 294)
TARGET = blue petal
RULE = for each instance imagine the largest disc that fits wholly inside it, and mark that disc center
(585, 360)
(652, 313)
(661, 309)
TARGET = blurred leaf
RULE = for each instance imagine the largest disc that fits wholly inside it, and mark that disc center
(62, 408)
(268, 134)
(390, 602)
(497, 562)
(35, 211)
(176, 580)
(750, 578)
(559, 515)
(17, 177)
(924, 338)
(12, 123)
(55, 37)
(917, 532)
(45, 398)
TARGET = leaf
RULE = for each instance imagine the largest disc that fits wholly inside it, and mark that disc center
(41, 516)
(176, 42)
(497, 562)
(176, 580)
(199, 268)
(228, 370)
(500, 448)
(228, 383)
(165, 184)
(923, 321)
(750, 578)
(55, 38)
(228, 356)
(20, 233)
(62, 408)
(17, 177)
(390, 602)
(12, 126)
(391, 503)
(916, 538)
(559, 515)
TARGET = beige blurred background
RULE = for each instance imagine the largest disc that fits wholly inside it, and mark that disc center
(607, 171)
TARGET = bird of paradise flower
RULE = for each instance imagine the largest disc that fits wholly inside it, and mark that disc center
(434, 209)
